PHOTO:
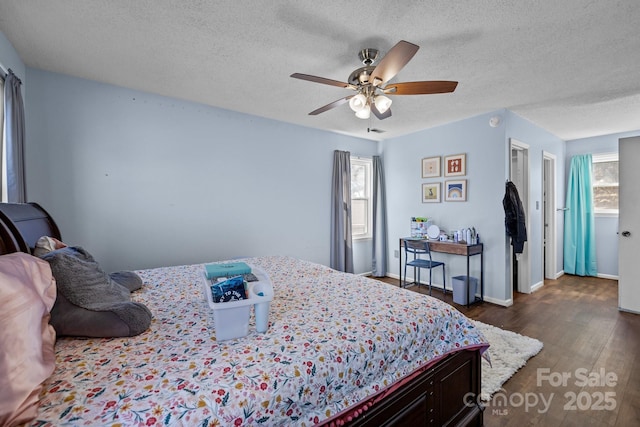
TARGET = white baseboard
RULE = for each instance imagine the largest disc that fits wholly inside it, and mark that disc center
(628, 311)
(537, 286)
(502, 302)
(438, 286)
(602, 276)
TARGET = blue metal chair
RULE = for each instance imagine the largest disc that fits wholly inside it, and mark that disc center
(418, 248)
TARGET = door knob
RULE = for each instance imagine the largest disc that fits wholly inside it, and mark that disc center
(626, 233)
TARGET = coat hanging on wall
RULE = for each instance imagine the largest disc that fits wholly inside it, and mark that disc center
(514, 220)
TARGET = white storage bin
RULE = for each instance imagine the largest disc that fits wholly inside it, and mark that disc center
(231, 319)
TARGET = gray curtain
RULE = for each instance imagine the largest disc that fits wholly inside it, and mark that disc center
(14, 128)
(341, 242)
(379, 261)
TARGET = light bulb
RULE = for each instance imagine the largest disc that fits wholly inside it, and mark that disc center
(382, 103)
(364, 113)
(358, 102)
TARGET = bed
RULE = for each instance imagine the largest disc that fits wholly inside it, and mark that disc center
(341, 349)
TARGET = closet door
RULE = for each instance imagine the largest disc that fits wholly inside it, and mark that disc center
(629, 225)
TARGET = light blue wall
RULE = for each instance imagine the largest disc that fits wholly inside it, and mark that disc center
(487, 156)
(606, 226)
(142, 180)
(539, 141)
(9, 58)
(484, 149)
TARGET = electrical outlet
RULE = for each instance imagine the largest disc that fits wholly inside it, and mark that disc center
(396, 254)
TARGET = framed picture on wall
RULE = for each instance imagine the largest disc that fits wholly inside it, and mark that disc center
(431, 167)
(455, 165)
(431, 192)
(455, 191)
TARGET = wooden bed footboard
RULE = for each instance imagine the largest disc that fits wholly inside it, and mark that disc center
(443, 395)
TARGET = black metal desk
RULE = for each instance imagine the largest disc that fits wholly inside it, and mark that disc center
(455, 249)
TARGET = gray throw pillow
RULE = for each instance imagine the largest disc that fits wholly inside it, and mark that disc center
(90, 303)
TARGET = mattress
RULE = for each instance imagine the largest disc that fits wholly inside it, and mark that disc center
(334, 339)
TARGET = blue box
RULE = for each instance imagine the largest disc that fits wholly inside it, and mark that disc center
(226, 270)
(460, 294)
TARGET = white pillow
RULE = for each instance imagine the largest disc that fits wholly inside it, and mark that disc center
(46, 244)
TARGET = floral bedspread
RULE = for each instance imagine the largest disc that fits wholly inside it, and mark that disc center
(333, 340)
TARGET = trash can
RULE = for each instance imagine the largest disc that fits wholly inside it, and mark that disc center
(460, 295)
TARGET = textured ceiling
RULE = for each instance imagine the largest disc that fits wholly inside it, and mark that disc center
(569, 66)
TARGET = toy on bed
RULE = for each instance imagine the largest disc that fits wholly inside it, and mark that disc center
(90, 302)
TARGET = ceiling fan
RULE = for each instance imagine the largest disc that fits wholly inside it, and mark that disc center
(371, 82)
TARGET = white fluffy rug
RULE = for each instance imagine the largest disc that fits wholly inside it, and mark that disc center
(509, 352)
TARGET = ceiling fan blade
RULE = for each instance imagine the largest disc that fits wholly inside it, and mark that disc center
(378, 114)
(420, 88)
(334, 104)
(397, 57)
(322, 80)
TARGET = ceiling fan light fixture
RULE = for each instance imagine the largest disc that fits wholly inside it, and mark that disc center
(370, 83)
(358, 102)
(382, 103)
(364, 113)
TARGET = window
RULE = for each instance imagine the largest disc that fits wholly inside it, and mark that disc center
(605, 183)
(361, 203)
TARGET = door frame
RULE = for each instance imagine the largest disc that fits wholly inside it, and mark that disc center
(524, 263)
(549, 220)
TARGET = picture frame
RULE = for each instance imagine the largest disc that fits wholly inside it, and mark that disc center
(431, 192)
(431, 167)
(455, 165)
(455, 190)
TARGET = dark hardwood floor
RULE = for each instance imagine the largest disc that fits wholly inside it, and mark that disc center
(587, 374)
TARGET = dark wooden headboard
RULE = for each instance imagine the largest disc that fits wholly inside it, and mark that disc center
(22, 224)
(8, 242)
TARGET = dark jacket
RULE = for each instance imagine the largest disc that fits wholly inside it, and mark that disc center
(514, 220)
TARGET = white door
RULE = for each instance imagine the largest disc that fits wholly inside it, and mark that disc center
(629, 225)
(549, 216)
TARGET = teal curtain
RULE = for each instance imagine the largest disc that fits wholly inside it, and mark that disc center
(579, 224)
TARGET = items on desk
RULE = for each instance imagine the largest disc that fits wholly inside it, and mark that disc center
(424, 228)
(467, 236)
(419, 226)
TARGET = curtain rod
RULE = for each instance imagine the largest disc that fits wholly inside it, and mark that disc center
(360, 157)
(3, 68)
